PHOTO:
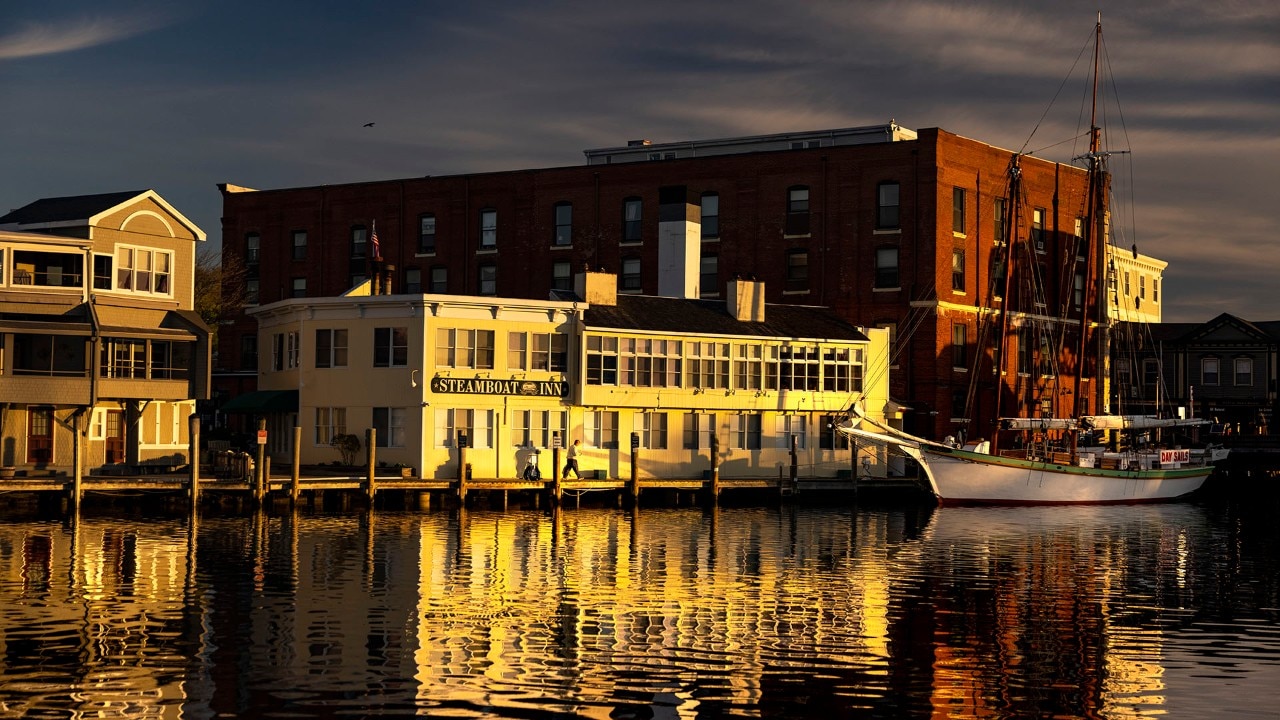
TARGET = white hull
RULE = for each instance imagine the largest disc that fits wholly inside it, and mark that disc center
(966, 477)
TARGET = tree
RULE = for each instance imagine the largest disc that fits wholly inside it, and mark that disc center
(219, 288)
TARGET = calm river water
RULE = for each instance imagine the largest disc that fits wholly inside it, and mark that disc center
(793, 612)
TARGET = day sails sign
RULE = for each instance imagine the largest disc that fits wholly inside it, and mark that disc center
(482, 386)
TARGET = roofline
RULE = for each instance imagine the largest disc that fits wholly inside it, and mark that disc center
(152, 195)
(885, 128)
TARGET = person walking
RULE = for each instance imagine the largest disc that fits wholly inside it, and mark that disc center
(572, 462)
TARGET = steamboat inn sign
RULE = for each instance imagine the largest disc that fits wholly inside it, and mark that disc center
(483, 386)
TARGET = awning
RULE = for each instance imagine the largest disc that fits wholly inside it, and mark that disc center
(263, 402)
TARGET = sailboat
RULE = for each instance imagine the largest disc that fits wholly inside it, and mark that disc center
(1046, 461)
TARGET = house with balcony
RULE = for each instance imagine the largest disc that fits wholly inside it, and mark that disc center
(101, 354)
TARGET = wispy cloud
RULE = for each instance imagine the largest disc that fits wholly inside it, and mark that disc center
(52, 38)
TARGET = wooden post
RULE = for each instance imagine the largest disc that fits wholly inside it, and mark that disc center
(193, 432)
(462, 468)
(715, 468)
(557, 489)
(260, 472)
(795, 462)
(77, 477)
(635, 473)
(371, 439)
(295, 486)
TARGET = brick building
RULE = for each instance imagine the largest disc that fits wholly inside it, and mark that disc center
(886, 226)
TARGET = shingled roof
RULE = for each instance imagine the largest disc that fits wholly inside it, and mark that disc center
(66, 209)
(711, 317)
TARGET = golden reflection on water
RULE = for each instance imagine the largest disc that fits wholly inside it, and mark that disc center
(962, 612)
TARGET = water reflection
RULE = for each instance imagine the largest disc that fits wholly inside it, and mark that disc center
(798, 612)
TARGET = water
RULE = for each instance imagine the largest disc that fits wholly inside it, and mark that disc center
(798, 612)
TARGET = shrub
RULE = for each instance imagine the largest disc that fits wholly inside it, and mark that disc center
(348, 445)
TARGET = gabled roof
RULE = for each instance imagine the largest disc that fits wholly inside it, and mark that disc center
(84, 211)
(711, 317)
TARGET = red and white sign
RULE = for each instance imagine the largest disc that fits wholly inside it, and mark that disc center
(1175, 456)
(262, 437)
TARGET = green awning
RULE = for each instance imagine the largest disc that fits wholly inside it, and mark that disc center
(263, 402)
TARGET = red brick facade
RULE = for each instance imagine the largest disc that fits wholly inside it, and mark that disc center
(753, 189)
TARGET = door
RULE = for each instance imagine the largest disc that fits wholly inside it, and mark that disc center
(40, 436)
(114, 437)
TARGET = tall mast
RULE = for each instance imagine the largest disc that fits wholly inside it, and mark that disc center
(1095, 282)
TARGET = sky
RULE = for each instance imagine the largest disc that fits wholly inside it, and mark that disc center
(178, 96)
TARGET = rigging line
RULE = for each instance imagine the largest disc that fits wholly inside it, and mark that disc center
(1058, 92)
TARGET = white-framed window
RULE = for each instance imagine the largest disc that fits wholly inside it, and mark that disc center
(602, 360)
(707, 365)
(601, 429)
(488, 229)
(787, 425)
(1037, 228)
(330, 421)
(1000, 225)
(284, 351)
(699, 428)
(957, 270)
(477, 424)
(331, 347)
(465, 348)
(748, 366)
(534, 428)
(1244, 372)
(388, 423)
(652, 427)
(959, 344)
(1210, 369)
(391, 347)
(293, 345)
(144, 271)
(544, 351)
(123, 358)
(744, 431)
(647, 362)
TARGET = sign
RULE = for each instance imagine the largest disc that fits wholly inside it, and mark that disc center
(556, 443)
(262, 437)
(635, 441)
(1175, 456)
(481, 386)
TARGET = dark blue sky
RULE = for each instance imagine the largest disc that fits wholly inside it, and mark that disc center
(180, 96)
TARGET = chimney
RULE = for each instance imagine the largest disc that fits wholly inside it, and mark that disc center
(679, 242)
(638, 143)
(596, 287)
(745, 300)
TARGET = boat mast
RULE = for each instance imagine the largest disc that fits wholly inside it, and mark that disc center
(1096, 275)
(1005, 282)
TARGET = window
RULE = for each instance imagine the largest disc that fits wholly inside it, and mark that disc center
(535, 428)
(426, 234)
(957, 210)
(248, 352)
(125, 359)
(797, 271)
(251, 291)
(476, 425)
(439, 280)
(709, 276)
(1244, 372)
(1024, 351)
(465, 348)
(957, 270)
(141, 271)
(887, 267)
(102, 271)
(252, 246)
(602, 360)
(388, 423)
(748, 366)
(744, 431)
(299, 287)
(1150, 372)
(786, 426)
(550, 352)
(299, 244)
(561, 276)
(488, 280)
(707, 365)
(50, 355)
(390, 347)
(563, 218)
(632, 210)
(412, 280)
(1155, 290)
(652, 427)
(488, 229)
(887, 207)
(831, 438)
(797, 211)
(799, 367)
(630, 279)
(359, 241)
(1077, 291)
(959, 341)
(170, 360)
(1037, 228)
(330, 421)
(39, 436)
(284, 351)
(699, 430)
(999, 212)
(601, 429)
(1142, 287)
(1124, 373)
(647, 362)
(1126, 283)
(710, 216)
(331, 348)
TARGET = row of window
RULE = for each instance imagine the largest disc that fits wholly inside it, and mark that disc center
(119, 358)
(537, 428)
(136, 270)
(454, 348)
(1210, 372)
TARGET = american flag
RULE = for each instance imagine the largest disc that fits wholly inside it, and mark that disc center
(377, 251)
